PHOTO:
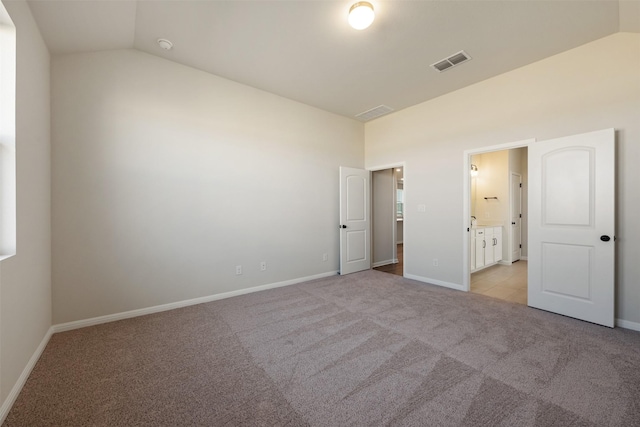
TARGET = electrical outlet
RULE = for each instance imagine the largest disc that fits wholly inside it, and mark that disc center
(325, 257)
(238, 269)
(435, 262)
(263, 266)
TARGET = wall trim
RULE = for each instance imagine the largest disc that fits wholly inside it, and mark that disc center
(524, 258)
(385, 262)
(62, 327)
(626, 324)
(449, 285)
(22, 379)
(77, 324)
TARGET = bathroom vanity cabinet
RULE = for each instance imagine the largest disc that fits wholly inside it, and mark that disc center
(486, 247)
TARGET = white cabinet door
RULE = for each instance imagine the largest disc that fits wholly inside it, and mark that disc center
(497, 247)
(480, 244)
(489, 257)
(473, 250)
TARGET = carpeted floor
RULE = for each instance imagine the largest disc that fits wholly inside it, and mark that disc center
(366, 349)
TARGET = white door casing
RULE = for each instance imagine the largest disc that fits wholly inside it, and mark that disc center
(516, 216)
(572, 225)
(355, 220)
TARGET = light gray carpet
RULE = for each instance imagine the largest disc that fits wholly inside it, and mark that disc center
(365, 349)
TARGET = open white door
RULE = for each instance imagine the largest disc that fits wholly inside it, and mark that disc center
(355, 220)
(571, 226)
(516, 216)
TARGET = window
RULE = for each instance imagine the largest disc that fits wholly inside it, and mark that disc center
(7, 135)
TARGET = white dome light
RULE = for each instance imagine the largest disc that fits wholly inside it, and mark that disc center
(361, 15)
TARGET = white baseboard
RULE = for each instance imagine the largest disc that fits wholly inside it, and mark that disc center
(634, 326)
(22, 379)
(61, 327)
(17, 387)
(381, 263)
(385, 262)
(450, 285)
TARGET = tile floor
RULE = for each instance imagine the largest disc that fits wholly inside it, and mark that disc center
(507, 282)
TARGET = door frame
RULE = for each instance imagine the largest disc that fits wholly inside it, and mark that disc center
(402, 165)
(466, 200)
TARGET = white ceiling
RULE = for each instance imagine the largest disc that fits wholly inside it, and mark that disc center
(304, 50)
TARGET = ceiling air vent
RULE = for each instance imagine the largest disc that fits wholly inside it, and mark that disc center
(378, 111)
(452, 61)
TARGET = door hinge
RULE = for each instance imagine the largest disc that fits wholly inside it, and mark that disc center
(520, 185)
(520, 215)
(520, 246)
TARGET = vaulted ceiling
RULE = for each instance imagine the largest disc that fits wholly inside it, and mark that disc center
(305, 50)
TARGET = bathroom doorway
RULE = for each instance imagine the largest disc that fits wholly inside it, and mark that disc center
(497, 236)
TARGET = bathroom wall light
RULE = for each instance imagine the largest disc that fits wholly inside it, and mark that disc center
(361, 15)
(474, 170)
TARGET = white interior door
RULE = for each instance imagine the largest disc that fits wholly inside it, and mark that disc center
(516, 216)
(355, 220)
(571, 226)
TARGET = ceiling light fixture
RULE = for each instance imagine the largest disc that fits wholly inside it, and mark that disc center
(361, 15)
(165, 44)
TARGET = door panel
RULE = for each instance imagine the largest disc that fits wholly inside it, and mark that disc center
(480, 248)
(356, 198)
(497, 235)
(573, 281)
(355, 220)
(567, 197)
(572, 201)
(516, 220)
(356, 245)
(489, 246)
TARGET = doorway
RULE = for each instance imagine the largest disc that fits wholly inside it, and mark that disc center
(498, 261)
(388, 220)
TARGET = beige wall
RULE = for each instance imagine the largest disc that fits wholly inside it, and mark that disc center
(165, 178)
(492, 181)
(592, 87)
(25, 279)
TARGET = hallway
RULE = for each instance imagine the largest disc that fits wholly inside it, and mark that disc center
(396, 269)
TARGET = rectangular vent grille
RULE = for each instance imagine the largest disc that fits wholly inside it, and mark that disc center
(452, 61)
(378, 111)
